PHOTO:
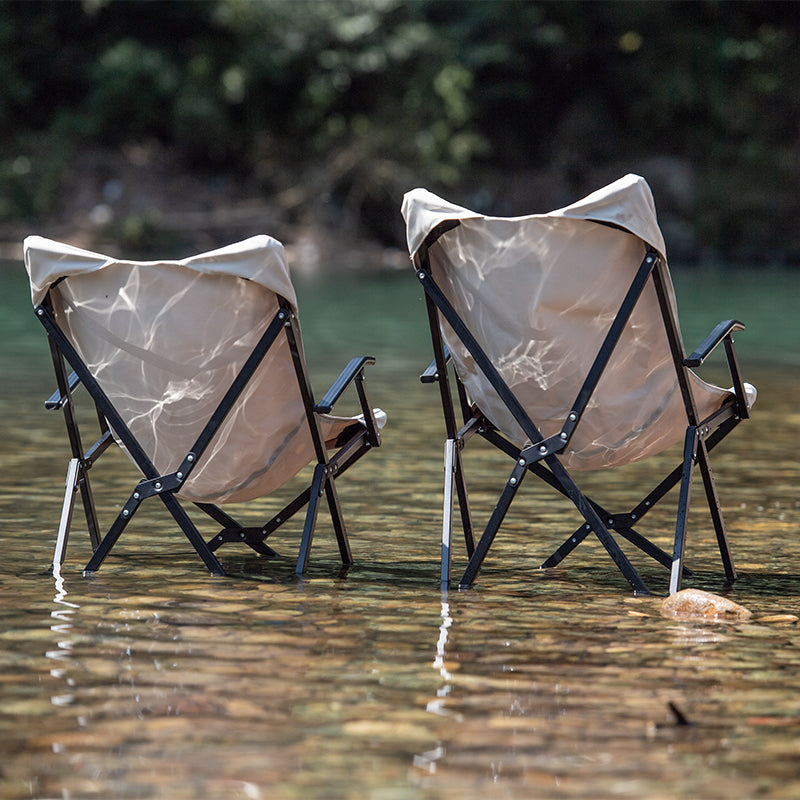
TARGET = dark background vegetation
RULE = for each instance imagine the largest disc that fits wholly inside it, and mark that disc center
(155, 124)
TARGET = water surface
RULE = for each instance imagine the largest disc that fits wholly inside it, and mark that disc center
(151, 679)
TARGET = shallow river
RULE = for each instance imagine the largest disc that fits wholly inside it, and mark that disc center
(151, 679)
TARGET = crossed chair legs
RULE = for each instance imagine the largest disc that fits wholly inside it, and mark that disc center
(597, 519)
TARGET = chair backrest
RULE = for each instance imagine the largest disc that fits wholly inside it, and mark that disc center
(165, 340)
(539, 294)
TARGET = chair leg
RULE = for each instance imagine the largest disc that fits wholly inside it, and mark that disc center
(88, 507)
(454, 476)
(689, 456)
(110, 539)
(337, 518)
(311, 518)
(499, 513)
(178, 514)
(447, 511)
(192, 534)
(716, 511)
(463, 504)
(73, 470)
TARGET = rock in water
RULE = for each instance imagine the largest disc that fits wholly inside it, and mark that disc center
(696, 604)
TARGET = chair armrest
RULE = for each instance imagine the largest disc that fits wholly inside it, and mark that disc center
(56, 401)
(722, 331)
(354, 367)
(431, 374)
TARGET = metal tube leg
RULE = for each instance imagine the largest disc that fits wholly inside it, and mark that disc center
(73, 470)
(689, 455)
(447, 511)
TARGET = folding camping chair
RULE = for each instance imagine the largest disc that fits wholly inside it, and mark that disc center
(563, 333)
(196, 370)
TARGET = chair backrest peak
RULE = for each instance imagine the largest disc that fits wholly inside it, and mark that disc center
(260, 258)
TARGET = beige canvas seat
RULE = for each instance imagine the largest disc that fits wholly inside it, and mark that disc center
(563, 332)
(197, 371)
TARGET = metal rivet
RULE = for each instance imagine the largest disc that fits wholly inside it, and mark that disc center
(180, 474)
(136, 495)
(633, 516)
(158, 485)
(542, 449)
(125, 512)
(522, 462)
(190, 457)
(563, 435)
(39, 312)
(513, 481)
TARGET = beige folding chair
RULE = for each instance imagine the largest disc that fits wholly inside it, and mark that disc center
(563, 333)
(196, 370)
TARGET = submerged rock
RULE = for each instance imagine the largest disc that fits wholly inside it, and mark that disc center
(697, 604)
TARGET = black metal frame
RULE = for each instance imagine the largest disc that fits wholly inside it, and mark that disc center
(541, 455)
(353, 443)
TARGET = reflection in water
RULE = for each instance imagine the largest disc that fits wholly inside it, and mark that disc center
(153, 680)
(62, 627)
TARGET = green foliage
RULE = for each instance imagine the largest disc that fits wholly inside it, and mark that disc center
(357, 99)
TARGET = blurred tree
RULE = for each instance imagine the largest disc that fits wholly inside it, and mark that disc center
(336, 106)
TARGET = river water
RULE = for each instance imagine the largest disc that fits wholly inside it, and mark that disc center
(151, 679)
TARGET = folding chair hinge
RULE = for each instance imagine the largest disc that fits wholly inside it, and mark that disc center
(518, 471)
(540, 450)
(187, 465)
(569, 426)
(703, 431)
(697, 434)
(160, 485)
